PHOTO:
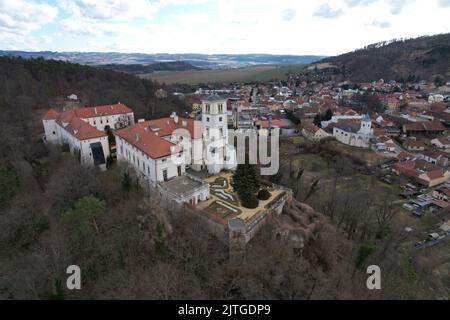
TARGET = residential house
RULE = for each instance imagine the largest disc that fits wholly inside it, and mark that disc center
(442, 194)
(441, 142)
(312, 132)
(422, 172)
(385, 144)
(414, 145)
(437, 157)
(423, 127)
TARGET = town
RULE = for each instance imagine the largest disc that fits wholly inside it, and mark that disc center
(225, 150)
(401, 127)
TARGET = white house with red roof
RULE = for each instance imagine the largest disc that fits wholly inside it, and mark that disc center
(108, 116)
(83, 130)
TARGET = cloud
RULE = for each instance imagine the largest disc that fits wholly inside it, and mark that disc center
(444, 3)
(359, 3)
(111, 10)
(380, 24)
(89, 27)
(397, 6)
(325, 11)
(288, 14)
(22, 17)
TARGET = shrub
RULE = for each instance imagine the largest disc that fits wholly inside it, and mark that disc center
(264, 194)
(8, 185)
(65, 147)
(364, 252)
(249, 200)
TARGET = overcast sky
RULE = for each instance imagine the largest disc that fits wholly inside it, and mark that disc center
(215, 26)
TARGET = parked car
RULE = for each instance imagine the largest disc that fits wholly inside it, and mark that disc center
(408, 206)
(418, 213)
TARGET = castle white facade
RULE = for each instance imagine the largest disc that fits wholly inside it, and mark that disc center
(161, 150)
(83, 130)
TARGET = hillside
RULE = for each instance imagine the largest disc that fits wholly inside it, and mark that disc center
(206, 61)
(140, 69)
(410, 60)
(36, 83)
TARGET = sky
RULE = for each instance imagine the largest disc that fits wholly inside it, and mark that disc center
(297, 27)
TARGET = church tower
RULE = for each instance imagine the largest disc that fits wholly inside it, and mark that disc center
(215, 132)
(366, 125)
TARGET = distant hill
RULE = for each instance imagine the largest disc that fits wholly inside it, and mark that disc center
(219, 61)
(140, 69)
(413, 59)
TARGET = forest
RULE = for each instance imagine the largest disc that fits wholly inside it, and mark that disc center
(423, 58)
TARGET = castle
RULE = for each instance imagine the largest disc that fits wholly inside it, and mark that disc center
(159, 151)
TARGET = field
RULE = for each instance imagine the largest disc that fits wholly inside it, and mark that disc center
(249, 74)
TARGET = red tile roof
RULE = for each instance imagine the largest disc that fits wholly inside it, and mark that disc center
(83, 130)
(98, 111)
(425, 126)
(413, 143)
(168, 125)
(416, 168)
(74, 124)
(311, 127)
(51, 114)
(443, 140)
(275, 123)
(143, 138)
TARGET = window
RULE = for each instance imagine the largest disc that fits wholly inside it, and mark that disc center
(208, 108)
(220, 108)
(163, 160)
(221, 131)
(54, 132)
(207, 119)
(165, 174)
